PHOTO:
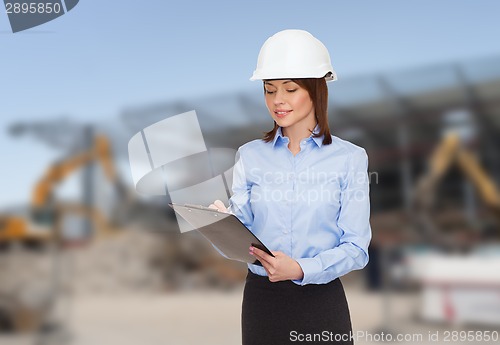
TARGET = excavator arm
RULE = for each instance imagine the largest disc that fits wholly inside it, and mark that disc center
(485, 186)
(448, 152)
(43, 208)
(439, 163)
(55, 174)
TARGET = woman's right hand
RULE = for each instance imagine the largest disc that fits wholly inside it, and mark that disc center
(219, 206)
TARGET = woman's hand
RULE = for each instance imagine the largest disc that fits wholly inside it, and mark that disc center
(219, 206)
(281, 267)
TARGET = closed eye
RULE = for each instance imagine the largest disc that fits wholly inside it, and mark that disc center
(291, 90)
(269, 92)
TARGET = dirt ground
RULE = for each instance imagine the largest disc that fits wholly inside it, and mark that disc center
(214, 318)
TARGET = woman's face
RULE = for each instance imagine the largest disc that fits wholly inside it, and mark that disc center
(289, 104)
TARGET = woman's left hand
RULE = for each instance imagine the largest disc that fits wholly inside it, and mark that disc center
(281, 267)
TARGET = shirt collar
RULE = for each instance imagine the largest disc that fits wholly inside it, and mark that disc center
(278, 136)
(317, 140)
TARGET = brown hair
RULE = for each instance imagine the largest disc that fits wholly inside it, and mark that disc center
(318, 91)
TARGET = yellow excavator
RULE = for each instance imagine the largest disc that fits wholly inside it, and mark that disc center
(448, 152)
(44, 227)
(45, 211)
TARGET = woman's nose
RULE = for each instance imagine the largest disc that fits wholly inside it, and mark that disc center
(278, 99)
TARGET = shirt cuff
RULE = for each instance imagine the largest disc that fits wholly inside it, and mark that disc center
(310, 267)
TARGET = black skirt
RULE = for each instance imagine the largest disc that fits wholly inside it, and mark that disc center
(286, 313)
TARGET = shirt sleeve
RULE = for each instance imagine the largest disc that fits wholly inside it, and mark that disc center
(353, 221)
(239, 203)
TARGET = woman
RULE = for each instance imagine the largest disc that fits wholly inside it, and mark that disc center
(304, 193)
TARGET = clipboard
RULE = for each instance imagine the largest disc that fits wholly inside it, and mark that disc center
(224, 230)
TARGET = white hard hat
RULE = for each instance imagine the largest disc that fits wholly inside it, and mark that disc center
(291, 54)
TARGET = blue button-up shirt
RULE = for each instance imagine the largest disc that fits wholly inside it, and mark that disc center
(313, 206)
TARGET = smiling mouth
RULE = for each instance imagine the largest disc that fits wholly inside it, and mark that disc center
(282, 113)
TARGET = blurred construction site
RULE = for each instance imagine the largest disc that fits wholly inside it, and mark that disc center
(111, 267)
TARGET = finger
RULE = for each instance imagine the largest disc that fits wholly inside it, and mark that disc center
(262, 256)
(220, 205)
(213, 206)
(262, 253)
(267, 269)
